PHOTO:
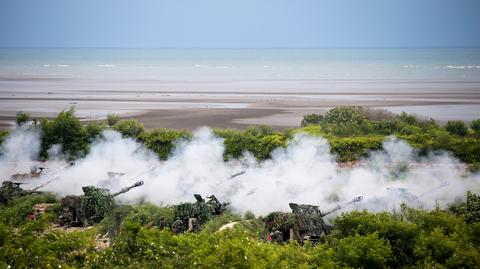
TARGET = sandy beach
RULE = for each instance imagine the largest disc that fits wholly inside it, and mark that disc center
(232, 104)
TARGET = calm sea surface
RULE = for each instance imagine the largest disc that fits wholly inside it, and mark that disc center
(439, 83)
(459, 64)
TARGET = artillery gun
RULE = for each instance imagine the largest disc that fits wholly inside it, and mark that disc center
(190, 216)
(37, 171)
(304, 223)
(11, 190)
(90, 208)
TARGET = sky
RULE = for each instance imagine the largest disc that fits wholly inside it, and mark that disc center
(239, 23)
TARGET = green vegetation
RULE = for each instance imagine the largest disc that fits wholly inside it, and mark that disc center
(475, 125)
(409, 238)
(112, 119)
(456, 127)
(67, 131)
(353, 132)
(22, 117)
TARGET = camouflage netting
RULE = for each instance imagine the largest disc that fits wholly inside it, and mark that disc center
(472, 208)
(280, 221)
(10, 190)
(99, 201)
(310, 219)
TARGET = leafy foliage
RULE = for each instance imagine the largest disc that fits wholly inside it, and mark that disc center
(405, 239)
(311, 119)
(345, 115)
(475, 125)
(112, 119)
(22, 117)
(456, 127)
(162, 141)
(367, 251)
(67, 131)
(129, 128)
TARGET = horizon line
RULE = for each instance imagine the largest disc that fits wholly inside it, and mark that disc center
(239, 48)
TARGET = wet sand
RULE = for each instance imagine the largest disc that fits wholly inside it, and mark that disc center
(192, 104)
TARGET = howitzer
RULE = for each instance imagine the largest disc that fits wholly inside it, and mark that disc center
(190, 216)
(124, 190)
(90, 208)
(10, 190)
(37, 171)
(304, 223)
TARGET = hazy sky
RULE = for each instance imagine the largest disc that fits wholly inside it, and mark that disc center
(239, 23)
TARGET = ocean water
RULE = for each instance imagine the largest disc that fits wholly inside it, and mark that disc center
(244, 65)
(443, 83)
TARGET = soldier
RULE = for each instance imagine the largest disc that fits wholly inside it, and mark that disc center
(162, 223)
(177, 226)
(276, 236)
(66, 219)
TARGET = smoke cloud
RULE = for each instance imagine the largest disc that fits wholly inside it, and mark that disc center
(19, 151)
(303, 172)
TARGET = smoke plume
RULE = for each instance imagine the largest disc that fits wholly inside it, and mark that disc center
(303, 172)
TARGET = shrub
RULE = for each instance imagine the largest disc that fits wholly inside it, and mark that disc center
(368, 251)
(345, 115)
(112, 119)
(401, 235)
(456, 127)
(475, 125)
(66, 130)
(311, 119)
(129, 128)
(94, 129)
(162, 141)
(22, 117)
(408, 118)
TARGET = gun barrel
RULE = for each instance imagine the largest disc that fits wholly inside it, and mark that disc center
(237, 174)
(338, 207)
(124, 190)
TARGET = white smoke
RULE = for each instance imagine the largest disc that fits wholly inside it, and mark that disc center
(304, 172)
(19, 151)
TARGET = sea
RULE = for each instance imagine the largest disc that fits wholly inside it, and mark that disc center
(425, 64)
(443, 83)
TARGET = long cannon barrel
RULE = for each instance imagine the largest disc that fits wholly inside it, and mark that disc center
(338, 207)
(237, 174)
(124, 190)
(44, 184)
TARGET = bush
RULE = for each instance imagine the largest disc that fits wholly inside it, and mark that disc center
(15, 213)
(311, 119)
(22, 117)
(401, 235)
(67, 131)
(162, 141)
(350, 149)
(456, 127)
(345, 115)
(112, 119)
(259, 140)
(94, 129)
(129, 128)
(475, 125)
(368, 251)
(150, 214)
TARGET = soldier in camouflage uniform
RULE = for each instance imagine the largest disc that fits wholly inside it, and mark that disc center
(177, 226)
(276, 236)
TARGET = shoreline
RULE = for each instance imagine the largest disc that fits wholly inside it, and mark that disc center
(280, 104)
